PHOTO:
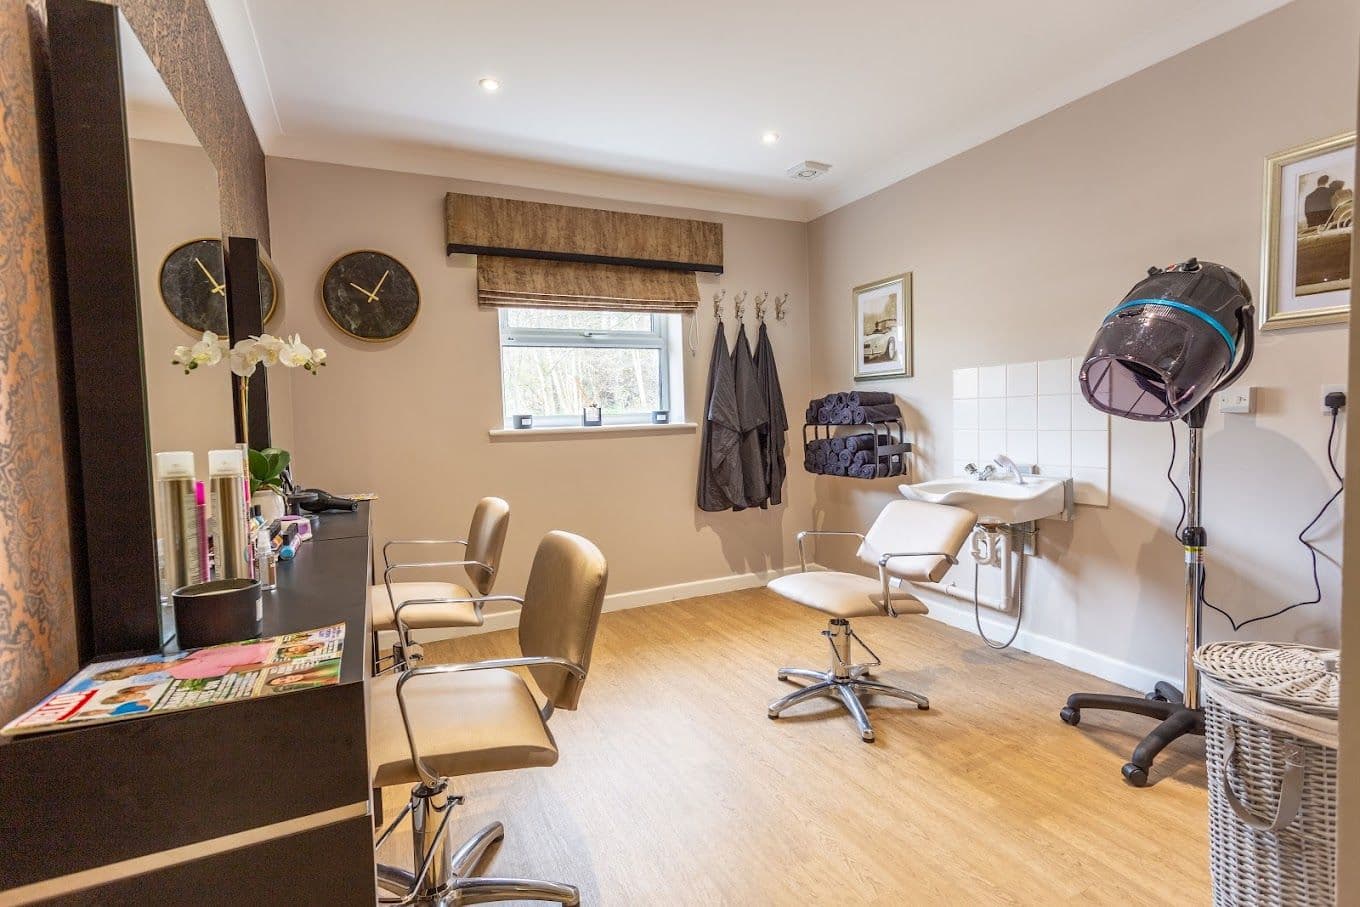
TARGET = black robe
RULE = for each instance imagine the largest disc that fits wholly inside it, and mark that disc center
(720, 474)
(777, 421)
(753, 412)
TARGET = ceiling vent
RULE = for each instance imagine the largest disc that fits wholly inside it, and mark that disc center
(807, 170)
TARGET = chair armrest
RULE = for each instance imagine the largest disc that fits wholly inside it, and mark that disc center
(883, 571)
(426, 775)
(802, 558)
(390, 543)
(478, 601)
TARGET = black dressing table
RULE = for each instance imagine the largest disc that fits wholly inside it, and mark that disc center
(262, 801)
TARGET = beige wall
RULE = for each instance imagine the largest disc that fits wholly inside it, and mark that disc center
(1019, 248)
(409, 418)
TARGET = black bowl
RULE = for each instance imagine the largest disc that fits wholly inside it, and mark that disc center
(224, 610)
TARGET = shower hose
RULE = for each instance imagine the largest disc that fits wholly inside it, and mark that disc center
(1019, 600)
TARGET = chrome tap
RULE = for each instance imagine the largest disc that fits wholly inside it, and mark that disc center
(1006, 462)
(982, 474)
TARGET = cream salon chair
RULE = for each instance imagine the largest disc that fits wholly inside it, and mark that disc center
(910, 540)
(437, 605)
(432, 723)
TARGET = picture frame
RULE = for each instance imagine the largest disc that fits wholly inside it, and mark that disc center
(1308, 219)
(882, 315)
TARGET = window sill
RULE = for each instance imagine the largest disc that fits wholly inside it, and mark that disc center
(560, 432)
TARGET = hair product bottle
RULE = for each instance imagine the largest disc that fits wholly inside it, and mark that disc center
(177, 521)
(231, 513)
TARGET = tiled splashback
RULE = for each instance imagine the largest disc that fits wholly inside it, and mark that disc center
(1034, 413)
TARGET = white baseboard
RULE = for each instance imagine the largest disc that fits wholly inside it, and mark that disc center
(1105, 667)
(619, 601)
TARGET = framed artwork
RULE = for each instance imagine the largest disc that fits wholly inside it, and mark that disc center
(1309, 217)
(882, 313)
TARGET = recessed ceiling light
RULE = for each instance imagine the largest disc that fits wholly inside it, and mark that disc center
(770, 137)
(489, 85)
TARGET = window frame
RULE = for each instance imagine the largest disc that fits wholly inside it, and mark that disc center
(657, 338)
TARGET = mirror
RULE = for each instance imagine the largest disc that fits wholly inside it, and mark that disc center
(181, 283)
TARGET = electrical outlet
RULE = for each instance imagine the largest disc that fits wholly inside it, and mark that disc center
(1327, 389)
(1237, 400)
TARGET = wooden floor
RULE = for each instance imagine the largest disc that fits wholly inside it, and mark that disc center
(674, 787)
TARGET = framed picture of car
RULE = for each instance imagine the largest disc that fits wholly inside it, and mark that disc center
(882, 312)
(1309, 218)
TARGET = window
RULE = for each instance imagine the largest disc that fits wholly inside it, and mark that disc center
(554, 362)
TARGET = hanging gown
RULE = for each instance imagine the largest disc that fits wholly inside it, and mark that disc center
(720, 474)
(753, 413)
(777, 421)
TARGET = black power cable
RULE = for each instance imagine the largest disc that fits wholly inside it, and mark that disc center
(1312, 550)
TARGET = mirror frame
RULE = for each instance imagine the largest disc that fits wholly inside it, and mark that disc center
(99, 327)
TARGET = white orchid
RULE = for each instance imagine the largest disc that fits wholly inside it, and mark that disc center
(207, 351)
(249, 354)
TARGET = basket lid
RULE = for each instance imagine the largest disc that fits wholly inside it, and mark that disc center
(1297, 676)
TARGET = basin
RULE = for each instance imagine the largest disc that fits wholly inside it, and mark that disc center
(998, 500)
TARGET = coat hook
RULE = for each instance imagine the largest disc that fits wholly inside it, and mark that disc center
(739, 303)
(760, 305)
(717, 305)
(779, 303)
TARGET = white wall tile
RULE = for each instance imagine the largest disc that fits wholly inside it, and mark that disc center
(1022, 446)
(1055, 412)
(1055, 447)
(1021, 379)
(959, 467)
(990, 443)
(965, 382)
(992, 381)
(1054, 471)
(1021, 412)
(966, 446)
(1086, 417)
(1092, 486)
(1055, 376)
(966, 414)
(1091, 449)
(992, 413)
(1076, 374)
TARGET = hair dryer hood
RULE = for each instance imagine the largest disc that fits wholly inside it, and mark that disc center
(1170, 343)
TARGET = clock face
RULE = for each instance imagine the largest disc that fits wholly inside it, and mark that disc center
(370, 295)
(193, 285)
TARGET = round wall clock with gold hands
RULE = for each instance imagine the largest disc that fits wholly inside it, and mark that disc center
(370, 295)
(193, 285)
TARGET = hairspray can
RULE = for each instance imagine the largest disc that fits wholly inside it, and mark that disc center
(231, 512)
(177, 525)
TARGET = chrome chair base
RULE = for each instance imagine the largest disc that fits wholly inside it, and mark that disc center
(444, 877)
(844, 682)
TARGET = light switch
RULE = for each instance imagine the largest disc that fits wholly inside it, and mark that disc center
(1237, 400)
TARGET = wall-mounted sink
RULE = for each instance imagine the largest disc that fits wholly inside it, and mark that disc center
(997, 501)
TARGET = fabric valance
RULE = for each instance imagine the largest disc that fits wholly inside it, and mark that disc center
(482, 225)
(537, 284)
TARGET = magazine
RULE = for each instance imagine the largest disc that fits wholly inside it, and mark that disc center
(132, 687)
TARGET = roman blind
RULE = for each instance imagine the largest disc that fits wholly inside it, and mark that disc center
(557, 256)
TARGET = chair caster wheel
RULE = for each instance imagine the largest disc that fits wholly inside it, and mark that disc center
(1070, 716)
(923, 707)
(772, 715)
(782, 676)
(1154, 696)
(1135, 776)
(867, 738)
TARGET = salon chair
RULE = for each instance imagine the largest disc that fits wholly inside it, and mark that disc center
(432, 723)
(910, 540)
(435, 605)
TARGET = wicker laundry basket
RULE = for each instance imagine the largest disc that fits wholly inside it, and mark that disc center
(1271, 743)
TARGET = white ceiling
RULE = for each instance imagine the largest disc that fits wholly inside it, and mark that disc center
(627, 99)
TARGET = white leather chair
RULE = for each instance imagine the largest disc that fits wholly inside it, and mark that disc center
(426, 604)
(910, 540)
(431, 723)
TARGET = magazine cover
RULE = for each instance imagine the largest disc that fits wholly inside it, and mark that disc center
(130, 687)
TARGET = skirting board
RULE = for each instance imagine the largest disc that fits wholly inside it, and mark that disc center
(1135, 677)
(620, 601)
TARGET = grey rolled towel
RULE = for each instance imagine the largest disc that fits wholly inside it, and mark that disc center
(864, 441)
(844, 457)
(860, 457)
(838, 444)
(863, 414)
(837, 471)
(870, 398)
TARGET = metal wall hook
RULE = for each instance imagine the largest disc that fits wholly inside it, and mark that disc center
(717, 305)
(739, 304)
(779, 304)
(760, 305)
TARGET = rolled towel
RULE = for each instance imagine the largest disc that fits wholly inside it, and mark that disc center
(860, 457)
(870, 398)
(838, 444)
(810, 416)
(864, 441)
(842, 398)
(863, 414)
(844, 457)
(837, 471)
(844, 416)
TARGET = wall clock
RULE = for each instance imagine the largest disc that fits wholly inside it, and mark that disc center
(194, 286)
(370, 295)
